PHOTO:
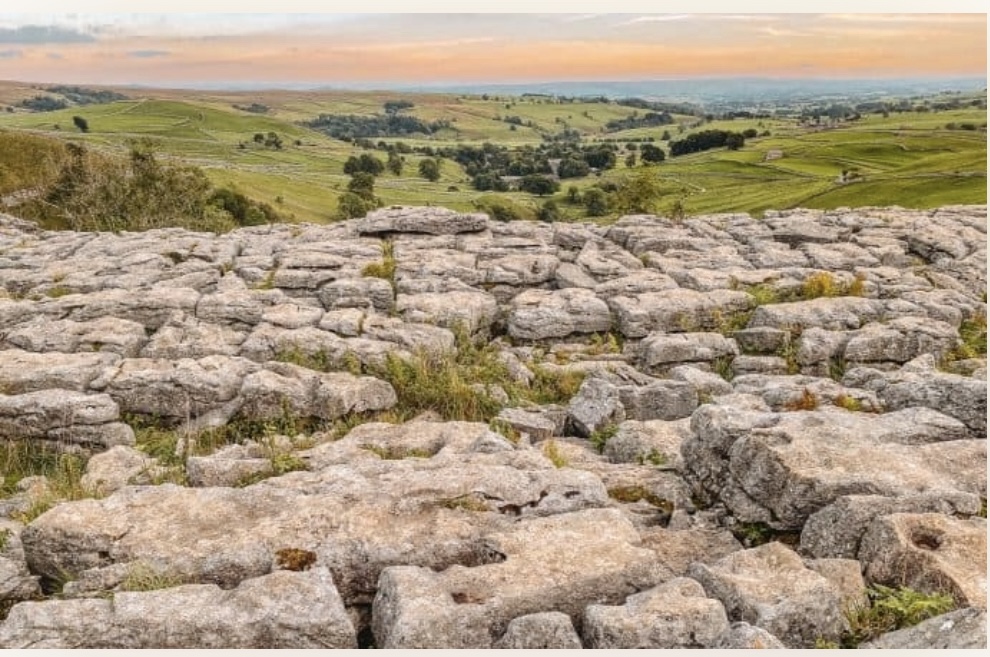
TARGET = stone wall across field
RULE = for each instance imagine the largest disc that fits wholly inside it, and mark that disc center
(775, 412)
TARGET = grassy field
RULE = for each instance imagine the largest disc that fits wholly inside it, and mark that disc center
(907, 159)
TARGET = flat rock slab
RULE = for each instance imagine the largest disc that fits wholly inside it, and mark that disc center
(676, 614)
(281, 610)
(771, 588)
(357, 517)
(542, 566)
(963, 628)
(434, 221)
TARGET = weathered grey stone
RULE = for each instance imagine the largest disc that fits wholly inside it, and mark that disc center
(475, 310)
(24, 371)
(174, 390)
(16, 581)
(743, 635)
(434, 221)
(464, 607)
(706, 384)
(963, 398)
(658, 350)
(368, 293)
(677, 549)
(674, 311)
(542, 314)
(771, 588)
(675, 614)
(535, 425)
(837, 529)
(597, 404)
(928, 552)
(744, 365)
(761, 340)
(281, 610)
(657, 442)
(832, 313)
(106, 334)
(571, 275)
(188, 337)
(292, 315)
(116, 468)
(63, 416)
(900, 340)
(659, 400)
(545, 630)
(963, 628)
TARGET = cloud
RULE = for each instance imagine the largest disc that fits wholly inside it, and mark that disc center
(148, 54)
(11, 54)
(774, 32)
(55, 55)
(43, 34)
(656, 18)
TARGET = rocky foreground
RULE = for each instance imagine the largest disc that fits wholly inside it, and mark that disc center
(775, 413)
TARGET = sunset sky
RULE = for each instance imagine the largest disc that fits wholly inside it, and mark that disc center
(337, 49)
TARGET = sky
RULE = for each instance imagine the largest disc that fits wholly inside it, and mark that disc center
(435, 48)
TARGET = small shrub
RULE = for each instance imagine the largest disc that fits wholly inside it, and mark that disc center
(602, 436)
(268, 282)
(763, 295)
(836, 368)
(849, 403)
(653, 457)
(552, 451)
(384, 269)
(632, 494)
(806, 402)
(467, 502)
(858, 287)
(722, 365)
(4, 539)
(506, 430)
(821, 284)
(295, 559)
(57, 291)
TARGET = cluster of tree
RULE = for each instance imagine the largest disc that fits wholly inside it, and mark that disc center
(43, 104)
(83, 96)
(648, 120)
(396, 106)
(96, 192)
(639, 193)
(707, 140)
(349, 127)
(253, 108)
(271, 140)
(81, 123)
(656, 106)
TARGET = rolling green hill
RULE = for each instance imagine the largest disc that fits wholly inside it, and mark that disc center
(910, 159)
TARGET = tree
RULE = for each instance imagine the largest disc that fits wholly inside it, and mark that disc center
(539, 185)
(365, 163)
(351, 206)
(259, 138)
(429, 169)
(81, 123)
(571, 167)
(638, 194)
(273, 141)
(549, 212)
(734, 141)
(651, 153)
(595, 202)
(362, 184)
(395, 163)
(573, 194)
(630, 160)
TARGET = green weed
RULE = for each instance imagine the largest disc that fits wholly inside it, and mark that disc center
(890, 609)
(552, 451)
(602, 436)
(142, 577)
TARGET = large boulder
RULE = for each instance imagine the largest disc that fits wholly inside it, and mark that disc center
(770, 587)
(281, 610)
(540, 567)
(542, 314)
(676, 614)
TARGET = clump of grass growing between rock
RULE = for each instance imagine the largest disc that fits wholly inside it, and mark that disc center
(63, 472)
(890, 609)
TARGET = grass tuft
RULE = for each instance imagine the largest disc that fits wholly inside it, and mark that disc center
(890, 609)
(552, 451)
